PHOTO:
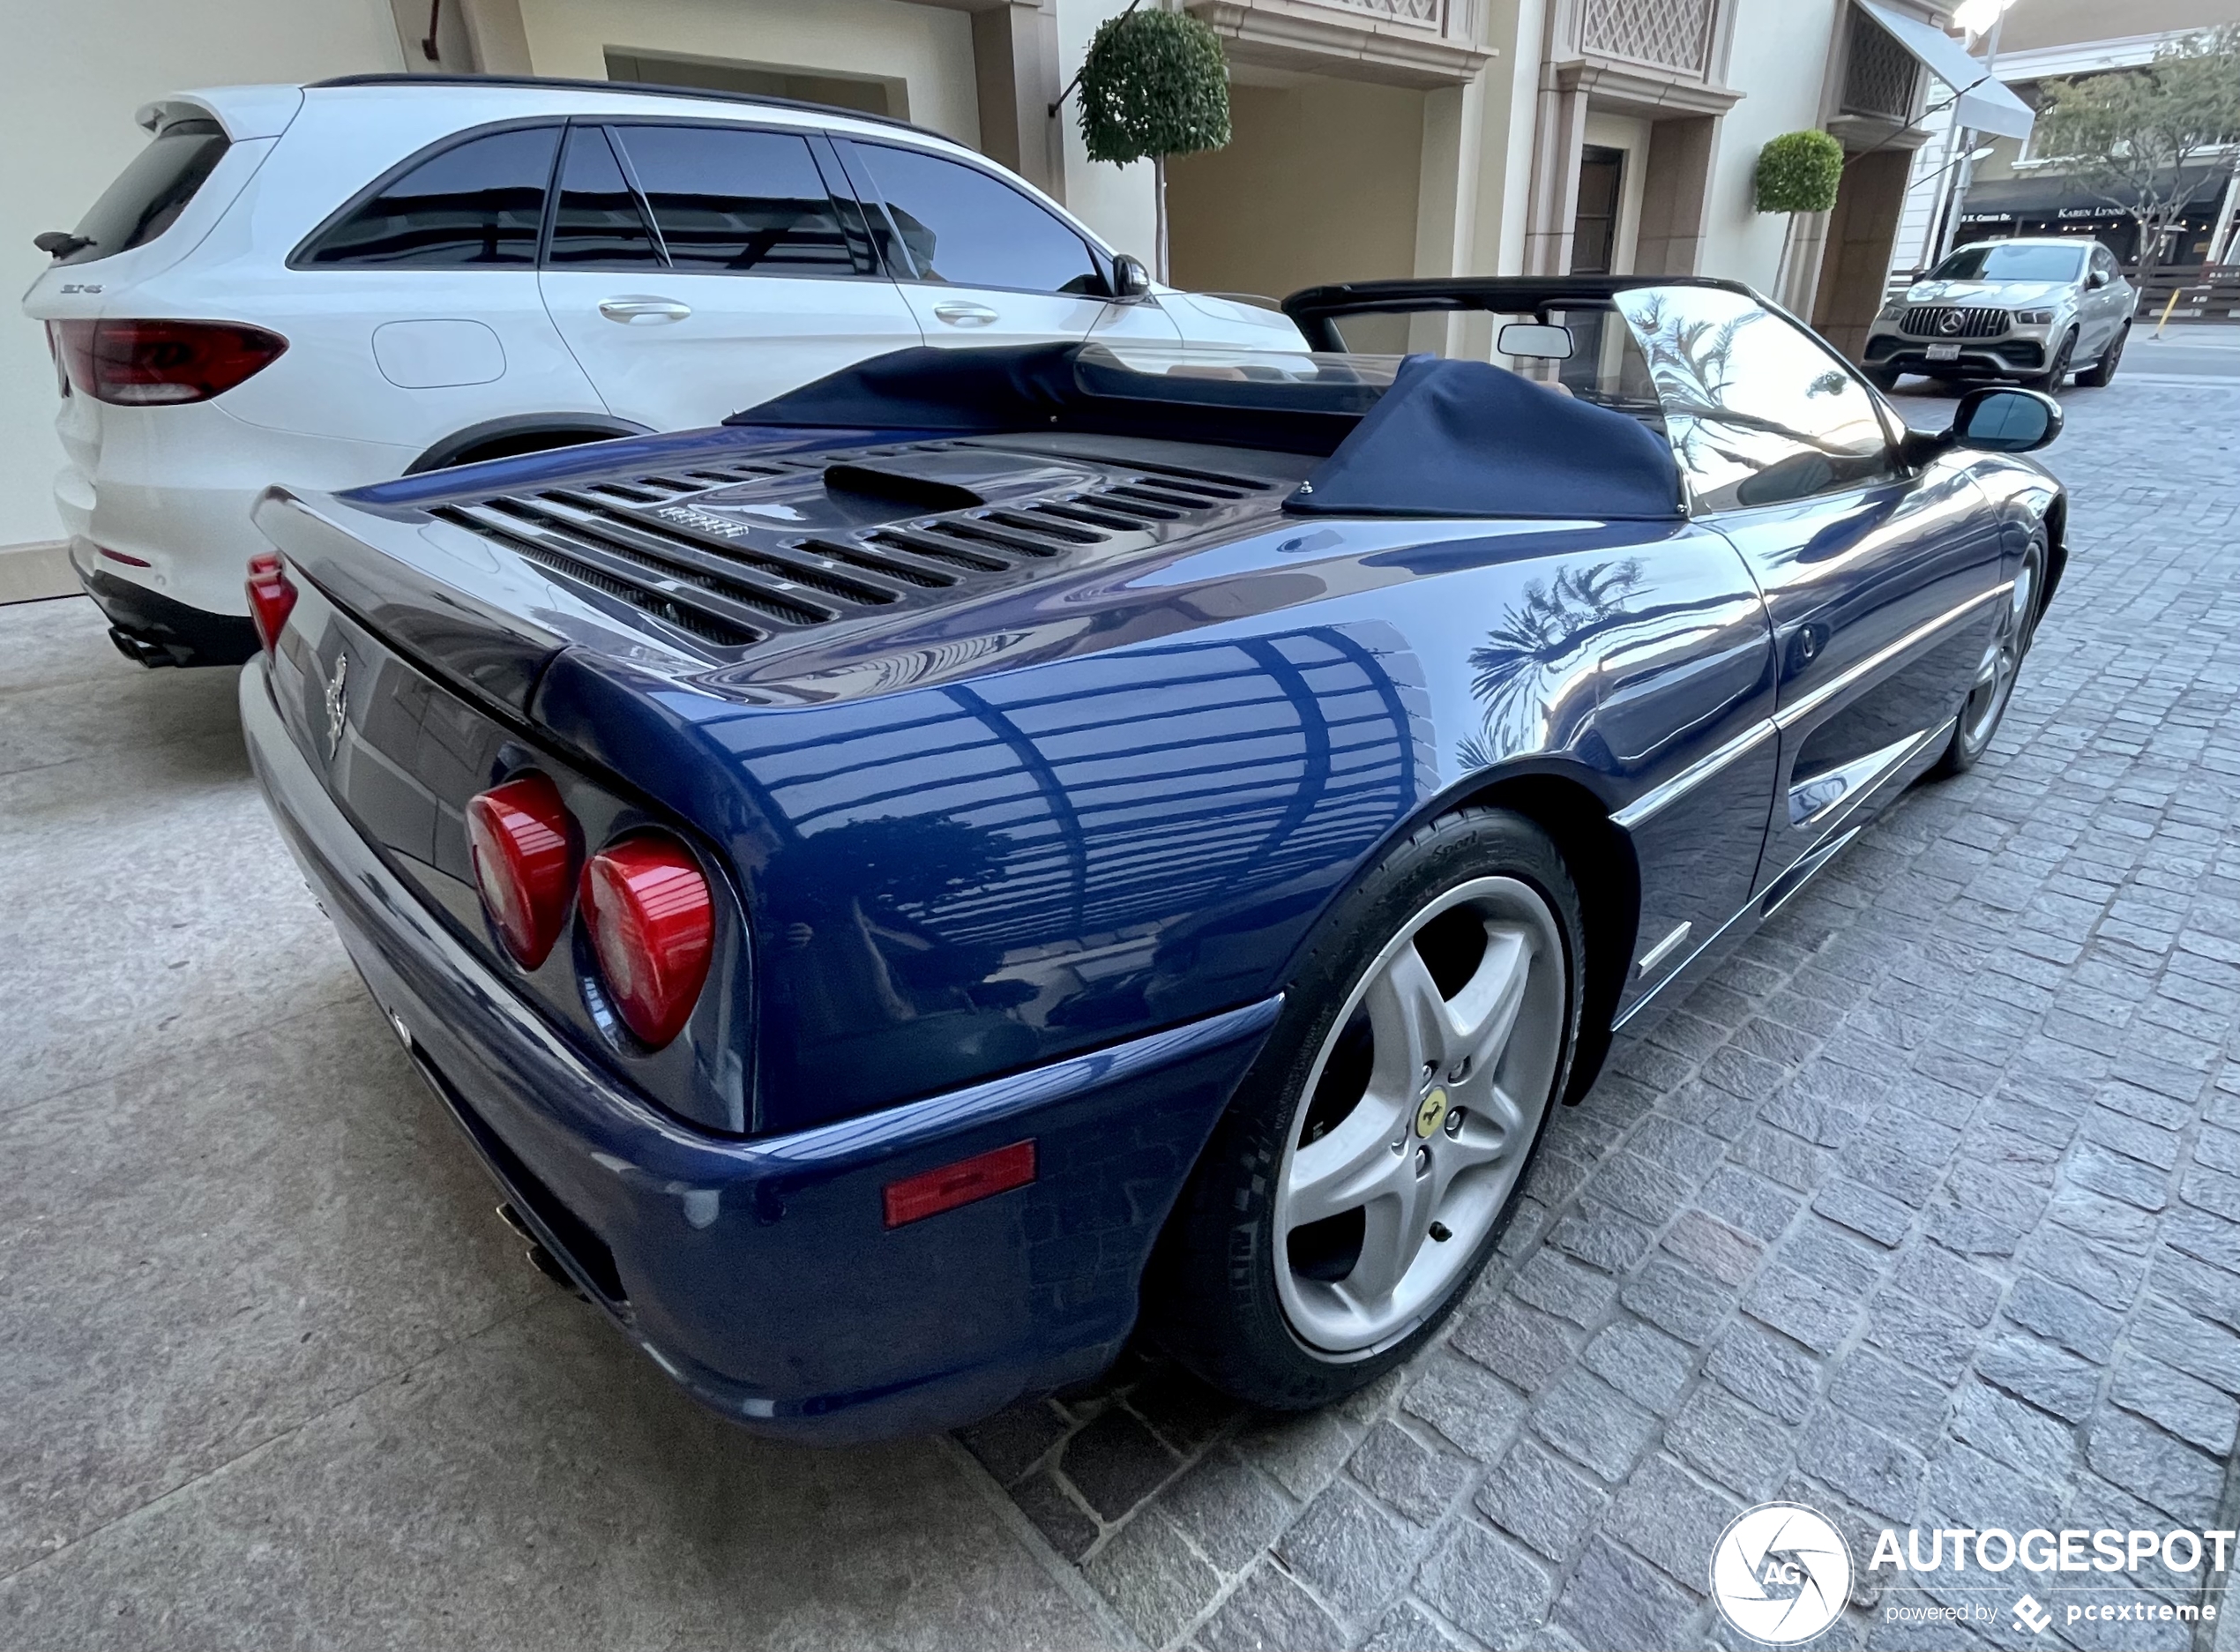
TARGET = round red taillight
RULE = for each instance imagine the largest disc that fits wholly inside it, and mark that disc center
(272, 595)
(516, 837)
(653, 928)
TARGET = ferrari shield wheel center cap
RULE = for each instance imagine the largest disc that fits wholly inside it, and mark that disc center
(1430, 1113)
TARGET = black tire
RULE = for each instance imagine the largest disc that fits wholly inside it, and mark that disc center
(1984, 708)
(2101, 371)
(2057, 370)
(1883, 379)
(1213, 1298)
(525, 444)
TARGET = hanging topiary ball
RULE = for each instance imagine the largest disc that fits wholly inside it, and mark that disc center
(1154, 83)
(1798, 172)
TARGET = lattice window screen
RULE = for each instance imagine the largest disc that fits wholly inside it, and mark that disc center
(1880, 76)
(1669, 33)
(1405, 10)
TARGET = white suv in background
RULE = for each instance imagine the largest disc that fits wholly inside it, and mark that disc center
(333, 284)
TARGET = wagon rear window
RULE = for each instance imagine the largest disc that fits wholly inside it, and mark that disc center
(152, 190)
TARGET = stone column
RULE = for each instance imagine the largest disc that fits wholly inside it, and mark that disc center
(1675, 195)
(1014, 47)
(1557, 137)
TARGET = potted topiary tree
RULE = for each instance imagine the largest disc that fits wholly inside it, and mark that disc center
(1798, 172)
(1154, 83)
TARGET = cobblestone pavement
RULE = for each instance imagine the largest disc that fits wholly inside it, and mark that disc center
(1926, 1210)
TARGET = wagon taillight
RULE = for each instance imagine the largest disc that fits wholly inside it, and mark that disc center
(162, 363)
(651, 918)
(518, 842)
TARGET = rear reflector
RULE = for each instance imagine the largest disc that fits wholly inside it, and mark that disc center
(653, 928)
(129, 561)
(517, 840)
(928, 1194)
(272, 596)
(153, 363)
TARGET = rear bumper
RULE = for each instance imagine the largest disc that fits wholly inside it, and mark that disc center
(154, 628)
(757, 1271)
(172, 487)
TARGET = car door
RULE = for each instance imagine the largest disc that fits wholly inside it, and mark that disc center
(413, 313)
(697, 268)
(2109, 302)
(1878, 577)
(982, 262)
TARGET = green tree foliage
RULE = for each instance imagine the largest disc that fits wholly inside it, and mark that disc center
(1798, 172)
(2141, 139)
(1154, 83)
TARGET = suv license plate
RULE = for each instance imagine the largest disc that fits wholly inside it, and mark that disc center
(1942, 352)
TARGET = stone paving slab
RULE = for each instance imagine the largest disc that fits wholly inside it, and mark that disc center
(1924, 1211)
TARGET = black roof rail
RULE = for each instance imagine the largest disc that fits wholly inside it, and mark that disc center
(633, 88)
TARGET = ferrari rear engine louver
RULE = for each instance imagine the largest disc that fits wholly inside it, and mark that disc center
(644, 543)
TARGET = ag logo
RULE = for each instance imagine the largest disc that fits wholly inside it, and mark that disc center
(1430, 1113)
(1780, 1573)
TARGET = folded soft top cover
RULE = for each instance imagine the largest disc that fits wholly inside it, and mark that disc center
(1447, 438)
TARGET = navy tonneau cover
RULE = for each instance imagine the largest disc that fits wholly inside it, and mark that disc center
(1468, 439)
(1447, 438)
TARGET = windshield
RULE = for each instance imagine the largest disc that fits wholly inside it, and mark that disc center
(1243, 366)
(1995, 261)
(151, 191)
(1317, 381)
(1605, 365)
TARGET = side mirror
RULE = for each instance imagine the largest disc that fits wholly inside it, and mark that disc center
(1917, 277)
(1998, 420)
(1535, 341)
(1129, 280)
(2097, 280)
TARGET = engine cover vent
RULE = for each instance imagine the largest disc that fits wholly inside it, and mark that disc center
(733, 556)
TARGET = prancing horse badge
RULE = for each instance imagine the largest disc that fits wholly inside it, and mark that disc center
(338, 704)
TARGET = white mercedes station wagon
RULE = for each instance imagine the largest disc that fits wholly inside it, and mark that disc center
(333, 284)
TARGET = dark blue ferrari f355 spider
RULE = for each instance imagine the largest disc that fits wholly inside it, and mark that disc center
(1000, 847)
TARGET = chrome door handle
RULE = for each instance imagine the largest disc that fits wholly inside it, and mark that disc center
(962, 315)
(635, 310)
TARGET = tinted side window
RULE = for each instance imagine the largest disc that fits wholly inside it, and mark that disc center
(478, 203)
(965, 228)
(742, 201)
(153, 190)
(597, 224)
(1759, 411)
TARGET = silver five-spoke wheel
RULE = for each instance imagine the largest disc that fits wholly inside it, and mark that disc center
(2002, 661)
(1418, 1116)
